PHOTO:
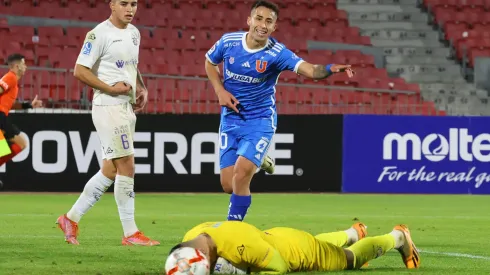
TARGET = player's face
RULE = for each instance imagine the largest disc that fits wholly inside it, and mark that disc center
(21, 67)
(262, 23)
(124, 10)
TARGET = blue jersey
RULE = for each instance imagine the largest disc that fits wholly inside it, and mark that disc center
(251, 75)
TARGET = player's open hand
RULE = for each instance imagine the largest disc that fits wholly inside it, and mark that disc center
(228, 100)
(141, 99)
(36, 103)
(120, 88)
(343, 68)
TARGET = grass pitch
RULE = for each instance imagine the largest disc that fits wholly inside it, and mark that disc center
(451, 231)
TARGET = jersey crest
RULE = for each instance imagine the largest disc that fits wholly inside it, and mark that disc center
(260, 66)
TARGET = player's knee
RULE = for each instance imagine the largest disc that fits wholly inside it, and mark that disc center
(125, 166)
(108, 169)
(243, 173)
(226, 178)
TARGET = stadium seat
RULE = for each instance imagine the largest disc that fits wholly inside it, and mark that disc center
(186, 29)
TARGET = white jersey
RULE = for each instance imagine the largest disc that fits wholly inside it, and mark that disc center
(112, 55)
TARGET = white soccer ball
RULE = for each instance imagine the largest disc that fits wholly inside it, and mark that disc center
(187, 261)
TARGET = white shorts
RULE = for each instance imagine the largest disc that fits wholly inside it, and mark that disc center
(115, 125)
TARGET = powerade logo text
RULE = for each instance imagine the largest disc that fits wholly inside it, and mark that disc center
(457, 146)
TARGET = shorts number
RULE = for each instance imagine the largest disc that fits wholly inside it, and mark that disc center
(223, 141)
(125, 142)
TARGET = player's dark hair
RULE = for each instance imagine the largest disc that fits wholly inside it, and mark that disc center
(180, 245)
(16, 57)
(266, 4)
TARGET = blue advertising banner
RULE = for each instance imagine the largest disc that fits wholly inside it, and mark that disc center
(416, 154)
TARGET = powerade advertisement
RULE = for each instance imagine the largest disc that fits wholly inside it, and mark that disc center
(416, 154)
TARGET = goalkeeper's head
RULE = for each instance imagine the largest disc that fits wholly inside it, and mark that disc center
(203, 243)
(262, 20)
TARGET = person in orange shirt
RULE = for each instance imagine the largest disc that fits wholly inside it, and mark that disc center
(8, 97)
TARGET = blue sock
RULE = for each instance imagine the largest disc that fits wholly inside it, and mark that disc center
(238, 207)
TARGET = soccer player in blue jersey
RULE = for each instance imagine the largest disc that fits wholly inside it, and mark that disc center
(252, 63)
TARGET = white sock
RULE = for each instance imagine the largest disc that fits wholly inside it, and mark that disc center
(124, 194)
(352, 235)
(399, 238)
(91, 194)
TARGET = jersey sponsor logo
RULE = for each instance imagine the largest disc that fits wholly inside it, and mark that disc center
(231, 44)
(246, 65)
(4, 85)
(87, 48)
(117, 40)
(294, 57)
(120, 63)
(260, 66)
(244, 78)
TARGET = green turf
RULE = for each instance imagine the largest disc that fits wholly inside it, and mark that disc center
(30, 243)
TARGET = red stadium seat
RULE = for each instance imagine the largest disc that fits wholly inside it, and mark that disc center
(477, 52)
(455, 30)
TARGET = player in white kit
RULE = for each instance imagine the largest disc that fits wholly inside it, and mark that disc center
(108, 62)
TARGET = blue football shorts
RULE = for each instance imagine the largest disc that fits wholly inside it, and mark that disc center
(250, 139)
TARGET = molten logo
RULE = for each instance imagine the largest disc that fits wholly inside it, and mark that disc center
(436, 147)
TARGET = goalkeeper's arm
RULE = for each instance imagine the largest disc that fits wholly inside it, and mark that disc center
(276, 265)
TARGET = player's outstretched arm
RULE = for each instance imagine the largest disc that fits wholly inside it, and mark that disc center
(316, 71)
(85, 75)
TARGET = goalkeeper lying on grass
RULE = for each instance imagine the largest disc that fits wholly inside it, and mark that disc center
(237, 248)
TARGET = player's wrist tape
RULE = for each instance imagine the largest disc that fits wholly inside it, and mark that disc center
(26, 105)
(329, 68)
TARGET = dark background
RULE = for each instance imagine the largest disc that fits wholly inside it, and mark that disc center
(317, 150)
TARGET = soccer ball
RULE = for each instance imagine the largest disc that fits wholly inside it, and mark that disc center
(187, 261)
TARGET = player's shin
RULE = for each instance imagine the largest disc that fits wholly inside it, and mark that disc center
(371, 248)
(238, 207)
(15, 149)
(124, 195)
(92, 192)
(241, 199)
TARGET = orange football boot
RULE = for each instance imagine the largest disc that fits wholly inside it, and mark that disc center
(70, 228)
(361, 233)
(409, 252)
(361, 230)
(139, 238)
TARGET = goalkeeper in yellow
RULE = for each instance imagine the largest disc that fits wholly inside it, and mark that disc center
(241, 248)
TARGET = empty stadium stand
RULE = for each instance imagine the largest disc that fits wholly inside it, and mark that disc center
(432, 44)
(176, 34)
